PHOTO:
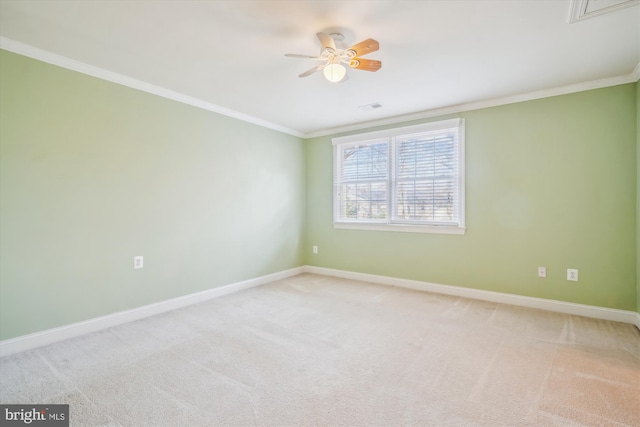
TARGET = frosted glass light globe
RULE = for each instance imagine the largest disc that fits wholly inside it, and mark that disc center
(334, 72)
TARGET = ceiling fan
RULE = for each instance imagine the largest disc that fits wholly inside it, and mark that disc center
(333, 57)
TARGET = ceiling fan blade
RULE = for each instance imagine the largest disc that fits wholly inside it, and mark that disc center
(293, 55)
(311, 71)
(327, 41)
(364, 47)
(365, 64)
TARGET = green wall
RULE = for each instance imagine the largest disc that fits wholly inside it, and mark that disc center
(93, 173)
(550, 182)
(638, 196)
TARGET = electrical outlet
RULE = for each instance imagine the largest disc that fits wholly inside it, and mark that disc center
(572, 274)
(138, 262)
(315, 249)
(542, 272)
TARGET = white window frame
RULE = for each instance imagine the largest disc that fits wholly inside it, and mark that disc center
(390, 135)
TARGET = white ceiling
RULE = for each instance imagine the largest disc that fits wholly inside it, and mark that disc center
(435, 54)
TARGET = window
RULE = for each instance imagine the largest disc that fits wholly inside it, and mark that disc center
(403, 179)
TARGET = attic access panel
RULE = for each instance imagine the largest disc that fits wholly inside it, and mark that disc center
(585, 9)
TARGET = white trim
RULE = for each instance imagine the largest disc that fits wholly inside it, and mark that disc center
(635, 74)
(404, 228)
(390, 137)
(478, 105)
(604, 313)
(50, 336)
(81, 67)
(61, 61)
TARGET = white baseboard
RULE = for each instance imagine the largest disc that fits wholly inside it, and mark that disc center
(522, 301)
(49, 336)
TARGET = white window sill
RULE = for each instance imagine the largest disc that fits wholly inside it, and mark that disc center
(405, 228)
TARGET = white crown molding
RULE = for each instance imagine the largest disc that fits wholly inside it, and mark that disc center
(61, 61)
(50, 336)
(595, 312)
(495, 102)
(81, 67)
(635, 74)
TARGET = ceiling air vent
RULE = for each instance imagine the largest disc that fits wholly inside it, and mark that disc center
(370, 107)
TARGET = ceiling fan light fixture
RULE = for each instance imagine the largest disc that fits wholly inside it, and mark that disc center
(337, 58)
(334, 72)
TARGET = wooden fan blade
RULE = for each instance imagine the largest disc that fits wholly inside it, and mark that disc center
(365, 64)
(294, 55)
(365, 47)
(311, 71)
(327, 41)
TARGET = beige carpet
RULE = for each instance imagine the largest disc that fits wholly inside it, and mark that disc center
(321, 351)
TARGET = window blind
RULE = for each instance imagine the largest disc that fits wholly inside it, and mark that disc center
(362, 181)
(407, 176)
(426, 177)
